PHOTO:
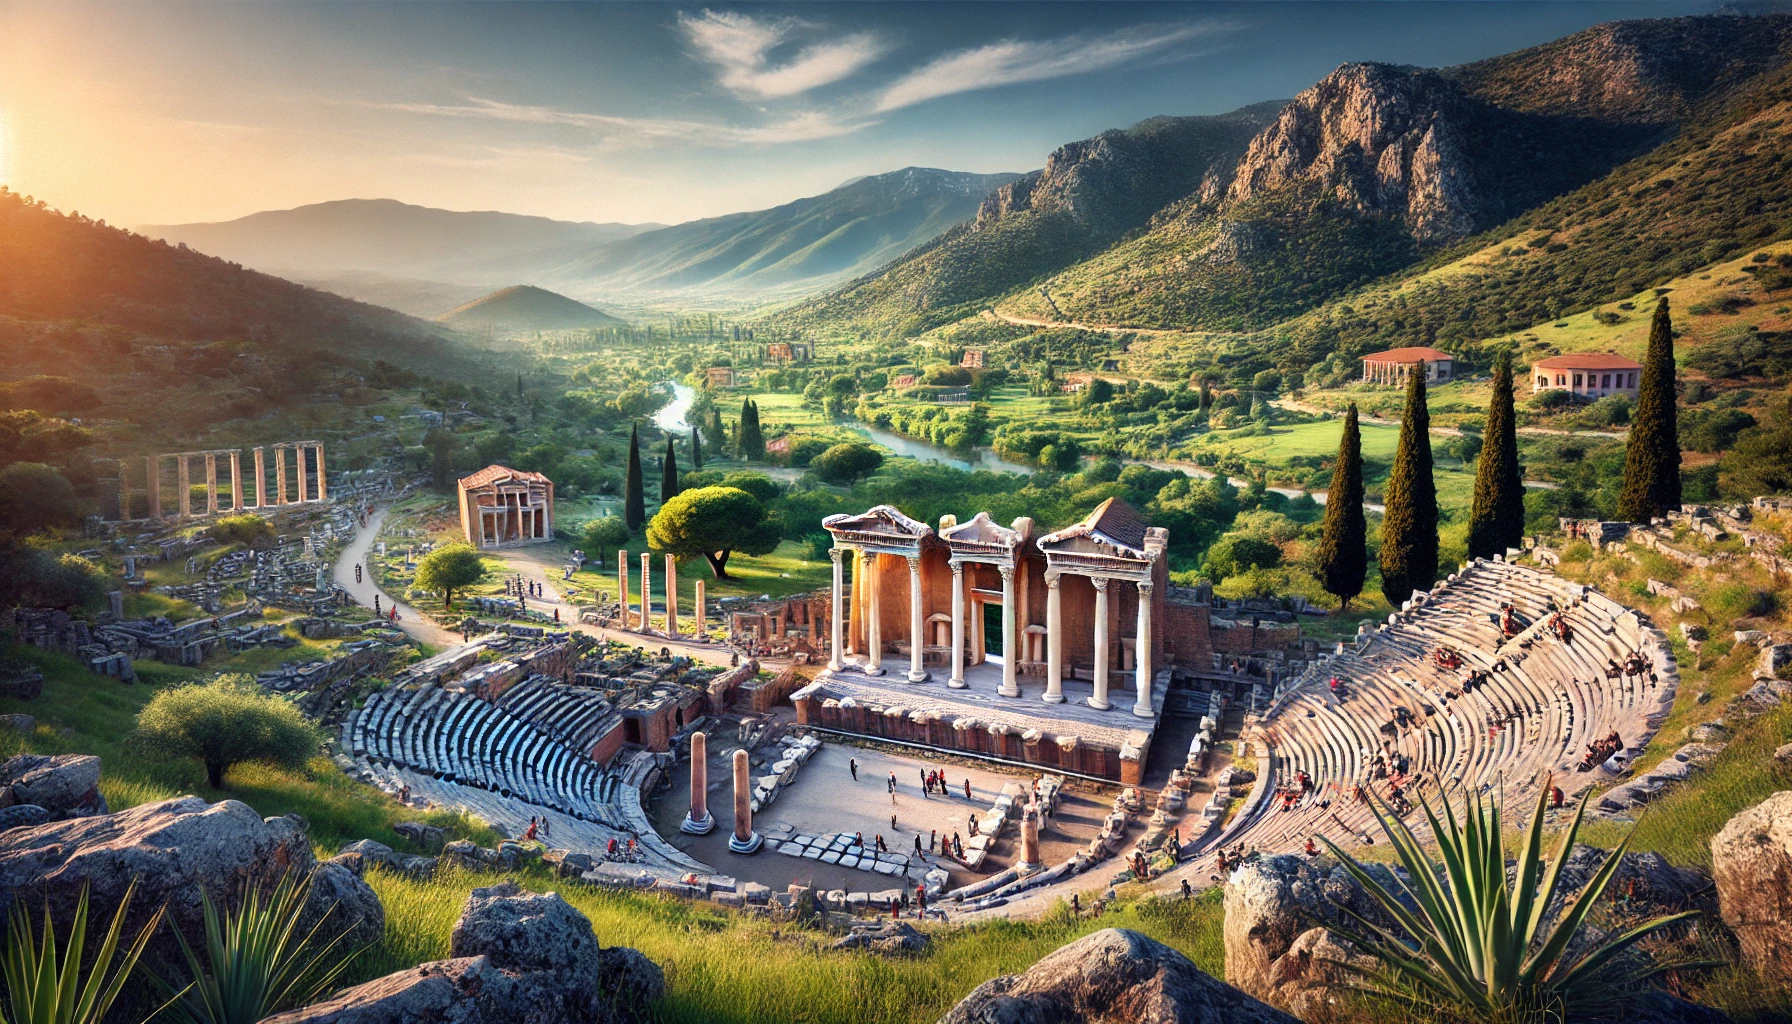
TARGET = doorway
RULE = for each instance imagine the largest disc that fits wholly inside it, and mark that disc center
(993, 652)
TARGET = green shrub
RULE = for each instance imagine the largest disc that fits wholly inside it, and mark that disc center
(244, 530)
(844, 463)
(222, 723)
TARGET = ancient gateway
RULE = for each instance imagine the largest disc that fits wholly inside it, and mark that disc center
(1038, 649)
(502, 507)
(307, 477)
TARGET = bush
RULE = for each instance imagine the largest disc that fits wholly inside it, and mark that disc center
(1555, 398)
(449, 568)
(758, 485)
(225, 722)
(35, 497)
(1237, 553)
(32, 577)
(602, 536)
(803, 450)
(244, 530)
(844, 463)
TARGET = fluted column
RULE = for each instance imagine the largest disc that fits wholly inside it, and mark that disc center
(279, 474)
(671, 596)
(298, 458)
(622, 583)
(1100, 698)
(211, 483)
(1141, 653)
(183, 475)
(322, 495)
(698, 821)
(744, 839)
(1010, 657)
(646, 591)
(236, 481)
(836, 625)
(702, 613)
(917, 624)
(1054, 639)
(956, 681)
(261, 480)
(874, 640)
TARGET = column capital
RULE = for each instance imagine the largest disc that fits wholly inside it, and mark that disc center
(868, 557)
(837, 554)
(1145, 587)
(956, 567)
(1052, 579)
(1101, 583)
(1007, 572)
(914, 562)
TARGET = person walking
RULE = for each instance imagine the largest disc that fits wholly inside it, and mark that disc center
(1187, 890)
(892, 782)
(852, 763)
(892, 823)
(967, 787)
(925, 787)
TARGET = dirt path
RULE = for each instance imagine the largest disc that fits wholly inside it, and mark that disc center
(413, 622)
(1025, 321)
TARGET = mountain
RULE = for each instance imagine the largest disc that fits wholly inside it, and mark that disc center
(526, 309)
(415, 296)
(1375, 169)
(397, 239)
(805, 245)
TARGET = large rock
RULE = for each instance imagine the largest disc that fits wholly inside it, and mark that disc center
(66, 785)
(180, 852)
(1114, 976)
(345, 905)
(430, 838)
(1751, 860)
(1652, 883)
(1308, 979)
(1271, 903)
(519, 958)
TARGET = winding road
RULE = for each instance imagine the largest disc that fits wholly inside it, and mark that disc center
(413, 622)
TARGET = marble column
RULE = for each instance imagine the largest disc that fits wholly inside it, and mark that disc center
(874, 640)
(211, 483)
(671, 597)
(261, 480)
(646, 591)
(836, 652)
(702, 613)
(124, 490)
(298, 458)
(322, 495)
(917, 624)
(1099, 699)
(185, 482)
(236, 481)
(1141, 653)
(1029, 840)
(698, 821)
(1054, 639)
(956, 681)
(152, 480)
(279, 474)
(744, 839)
(1010, 650)
(622, 583)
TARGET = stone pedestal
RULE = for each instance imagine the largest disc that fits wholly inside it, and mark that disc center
(744, 839)
(698, 821)
(1029, 840)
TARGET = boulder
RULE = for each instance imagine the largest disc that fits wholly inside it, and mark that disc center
(1654, 885)
(1271, 903)
(22, 816)
(430, 838)
(23, 724)
(66, 785)
(466, 991)
(889, 938)
(1751, 860)
(345, 906)
(1307, 978)
(1113, 976)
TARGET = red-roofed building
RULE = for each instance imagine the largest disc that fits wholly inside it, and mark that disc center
(1391, 367)
(502, 507)
(1587, 374)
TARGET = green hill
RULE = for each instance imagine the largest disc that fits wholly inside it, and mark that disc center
(525, 309)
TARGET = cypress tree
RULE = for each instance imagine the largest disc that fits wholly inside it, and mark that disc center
(1496, 519)
(1343, 546)
(669, 474)
(634, 501)
(1409, 526)
(752, 442)
(1652, 456)
(696, 450)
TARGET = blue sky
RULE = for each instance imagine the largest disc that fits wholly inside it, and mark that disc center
(163, 112)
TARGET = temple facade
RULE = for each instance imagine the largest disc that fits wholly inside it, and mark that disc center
(1042, 648)
(502, 507)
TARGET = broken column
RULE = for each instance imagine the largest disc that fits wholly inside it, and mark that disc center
(744, 839)
(321, 494)
(702, 612)
(622, 584)
(1029, 840)
(671, 597)
(279, 474)
(698, 821)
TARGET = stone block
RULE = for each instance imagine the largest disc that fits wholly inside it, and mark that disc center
(755, 893)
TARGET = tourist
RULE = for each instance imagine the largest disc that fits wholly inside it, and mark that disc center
(933, 838)
(967, 787)
(1555, 797)
(529, 833)
(917, 842)
(881, 848)
(404, 793)
(926, 788)
(957, 846)
(858, 840)
(1312, 850)
(920, 901)
(852, 764)
(892, 782)
(1187, 890)
(1076, 905)
(892, 823)
(376, 606)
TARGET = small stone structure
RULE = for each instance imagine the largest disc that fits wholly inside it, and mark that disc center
(502, 507)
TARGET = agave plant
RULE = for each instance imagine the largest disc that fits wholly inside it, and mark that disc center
(1471, 940)
(44, 990)
(256, 961)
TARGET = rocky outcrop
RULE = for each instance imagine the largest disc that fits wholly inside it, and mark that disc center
(429, 837)
(1114, 976)
(180, 852)
(888, 937)
(1271, 938)
(519, 958)
(1751, 860)
(64, 785)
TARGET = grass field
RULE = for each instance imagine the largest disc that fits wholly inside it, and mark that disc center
(1319, 439)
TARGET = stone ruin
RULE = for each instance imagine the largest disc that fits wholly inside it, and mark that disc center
(310, 480)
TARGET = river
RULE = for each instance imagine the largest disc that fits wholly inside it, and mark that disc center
(671, 418)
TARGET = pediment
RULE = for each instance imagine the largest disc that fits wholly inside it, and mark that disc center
(882, 520)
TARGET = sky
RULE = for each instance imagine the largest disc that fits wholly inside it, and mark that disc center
(163, 112)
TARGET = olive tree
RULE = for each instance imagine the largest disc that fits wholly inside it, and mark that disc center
(449, 568)
(225, 722)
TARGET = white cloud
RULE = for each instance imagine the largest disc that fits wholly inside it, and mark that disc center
(1014, 60)
(803, 127)
(740, 47)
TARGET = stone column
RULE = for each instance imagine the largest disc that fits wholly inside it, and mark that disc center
(186, 486)
(1141, 653)
(211, 483)
(1054, 639)
(321, 494)
(671, 596)
(874, 640)
(1010, 656)
(622, 584)
(236, 481)
(152, 480)
(702, 613)
(124, 490)
(1029, 840)
(917, 623)
(836, 652)
(261, 480)
(744, 839)
(1100, 698)
(646, 590)
(279, 474)
(698, 821)
(956, 681)
(298, 458)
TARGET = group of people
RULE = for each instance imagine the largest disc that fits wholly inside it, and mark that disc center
(1512, 622)
(1557, 624)
(616, 851)
(1635, 665)
(1292, 792)
(1227, 861)
(1446, 657)
(1601, 750)
(539, 829)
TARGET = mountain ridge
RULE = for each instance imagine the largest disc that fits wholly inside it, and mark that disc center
(526, 308)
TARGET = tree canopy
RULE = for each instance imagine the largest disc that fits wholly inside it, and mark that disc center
(1496, 517)
(1652, 455)
(225, 722)
(634, 496)
(713, 522)
(449, 568)
(844, 463)
(1409, 526)
(34, 497)
(602, 536)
